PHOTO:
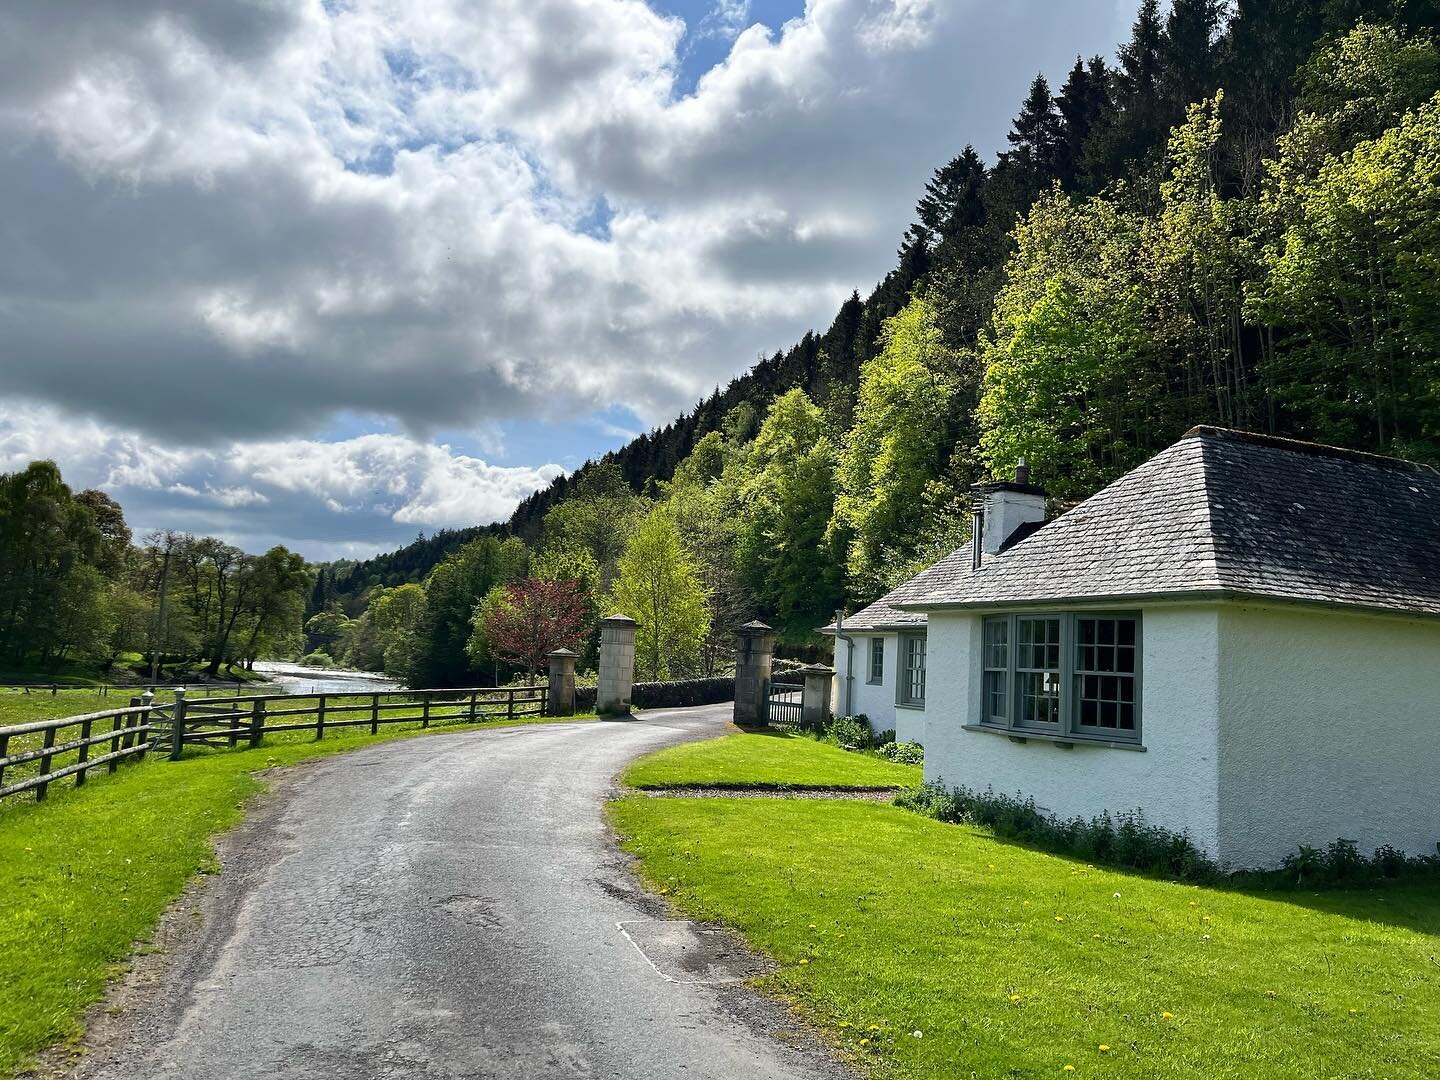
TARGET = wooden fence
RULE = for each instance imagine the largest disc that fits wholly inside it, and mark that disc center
(171, 726)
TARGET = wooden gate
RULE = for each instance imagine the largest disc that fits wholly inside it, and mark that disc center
(783, 703)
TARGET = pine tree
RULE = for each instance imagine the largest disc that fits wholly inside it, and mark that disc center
(1136, 129)
(1082, 103)
(1036, 133)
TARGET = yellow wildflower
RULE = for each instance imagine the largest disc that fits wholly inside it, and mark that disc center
(1104, 1048)
(1014, 997)
(1059, 918)
(1068, 1068)
(1167, 1016)
(804, 961)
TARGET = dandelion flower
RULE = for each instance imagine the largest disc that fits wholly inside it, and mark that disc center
(1059, 918)
(1068, 1068)
(812, 926)
(864, 1042)
(1014, 997)
(1104, 1048)
(1167, 1016)
(803, 960)
(1354, 1011)
(874, 1027)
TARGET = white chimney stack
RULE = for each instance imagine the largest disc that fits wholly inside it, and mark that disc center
(1006, 506)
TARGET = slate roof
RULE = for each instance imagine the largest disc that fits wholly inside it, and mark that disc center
(1223, 513)
(881, 615)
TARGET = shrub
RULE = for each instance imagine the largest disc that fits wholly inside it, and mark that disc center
(850, 732)
(906, 753)
(1129, 841)
(317, 659)
(667, 695)
(1125, 840)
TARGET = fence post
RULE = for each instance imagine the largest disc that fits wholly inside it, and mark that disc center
(425, 710)
(4, 752)
(320, 720)
(147, 699)
(84, 755)
(560, 693)
(45, 764)
(117, 733)
(374, 714)
(177, 728)
(472, 706)
(617, 666)
(752, 674)
(257, 721)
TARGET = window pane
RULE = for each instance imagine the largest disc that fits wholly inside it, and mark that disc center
(877, 659)
(1037, 667)
(1105, 673)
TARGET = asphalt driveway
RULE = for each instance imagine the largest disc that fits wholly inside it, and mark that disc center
(451, 907)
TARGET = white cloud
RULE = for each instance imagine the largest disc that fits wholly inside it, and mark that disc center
(290, 490)
(223, 224)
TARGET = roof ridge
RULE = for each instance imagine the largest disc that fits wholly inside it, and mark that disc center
(1314, 449)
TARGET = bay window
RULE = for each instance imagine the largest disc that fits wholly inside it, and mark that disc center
(1068, 674)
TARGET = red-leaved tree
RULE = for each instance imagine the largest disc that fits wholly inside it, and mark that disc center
(533, 619)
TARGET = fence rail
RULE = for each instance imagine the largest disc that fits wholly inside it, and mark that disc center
(221, 722)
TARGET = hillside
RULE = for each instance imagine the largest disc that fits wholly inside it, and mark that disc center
(1217, 226)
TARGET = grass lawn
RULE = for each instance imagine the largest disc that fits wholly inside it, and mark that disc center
(1012, 963)
(767, 760)
(87, 873)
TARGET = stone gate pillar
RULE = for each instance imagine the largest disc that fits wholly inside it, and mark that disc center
(752, 674)
(815, 698)
(560, 701)
(617, 665)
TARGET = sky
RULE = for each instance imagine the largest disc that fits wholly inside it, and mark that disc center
(332, 273)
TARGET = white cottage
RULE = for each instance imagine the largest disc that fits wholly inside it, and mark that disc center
(1241, 638)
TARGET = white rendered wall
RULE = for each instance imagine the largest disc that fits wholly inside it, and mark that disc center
(876, 700)
(1174, 781)
(1330, 728)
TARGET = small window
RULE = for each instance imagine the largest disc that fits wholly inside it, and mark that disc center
(877, 660)
(997, 671)
(912, 671)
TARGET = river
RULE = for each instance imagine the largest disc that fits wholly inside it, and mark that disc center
(296, 679)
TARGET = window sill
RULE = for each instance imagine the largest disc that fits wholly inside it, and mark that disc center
(1065, 742)
(912, 705)
(874, 682)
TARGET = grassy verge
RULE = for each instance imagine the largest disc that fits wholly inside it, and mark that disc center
(768, 760)
(1011, 962)
(87, 874)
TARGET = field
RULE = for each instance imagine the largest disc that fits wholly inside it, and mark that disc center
(87, 873)
(927, 951)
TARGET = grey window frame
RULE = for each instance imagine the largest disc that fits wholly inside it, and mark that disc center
(875, 674)
(1069, 724)
(992, 672)
(903, 697)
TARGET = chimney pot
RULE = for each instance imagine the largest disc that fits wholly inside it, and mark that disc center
(1022, 472)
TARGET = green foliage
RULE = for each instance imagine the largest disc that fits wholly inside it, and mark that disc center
(658, 585)
(890, 472)
(452, 591)
(1124, 840)
(906, 753)
(1352, 285)
(849, 732)
(597, 519)
(786, 495)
